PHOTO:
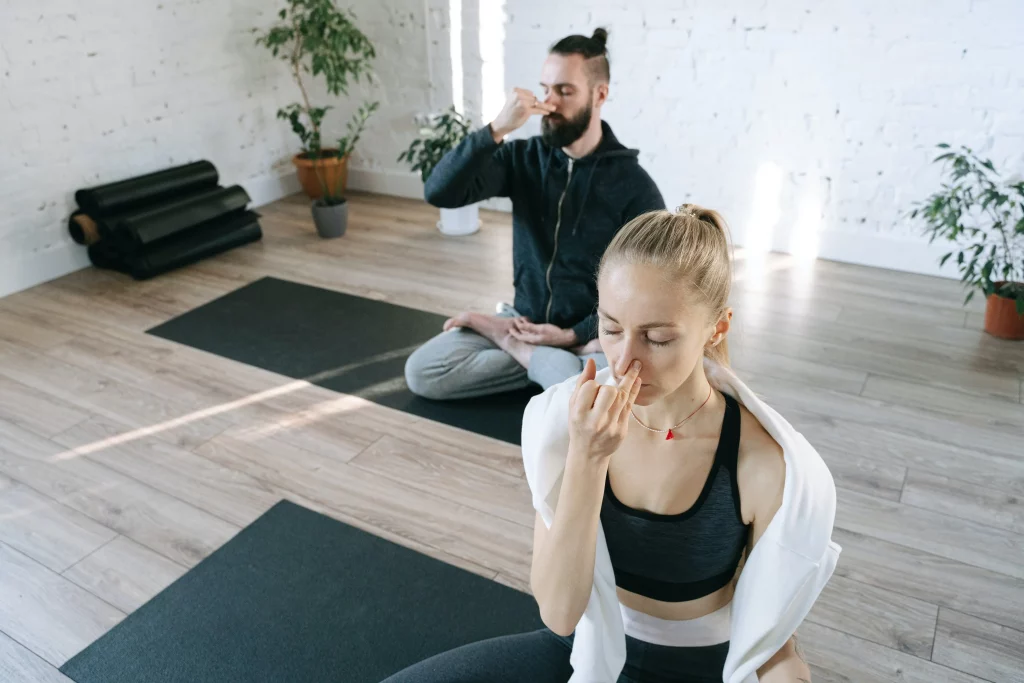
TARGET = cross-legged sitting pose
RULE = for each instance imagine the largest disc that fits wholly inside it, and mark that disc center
(572, 188)
(683, 527)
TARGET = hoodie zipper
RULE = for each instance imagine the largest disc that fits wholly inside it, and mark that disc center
(554, 253)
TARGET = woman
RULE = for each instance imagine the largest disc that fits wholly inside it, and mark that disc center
(683, 527)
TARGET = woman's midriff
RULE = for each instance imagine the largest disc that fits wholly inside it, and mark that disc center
(679, 611)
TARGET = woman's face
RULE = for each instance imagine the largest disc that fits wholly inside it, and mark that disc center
(646, 317)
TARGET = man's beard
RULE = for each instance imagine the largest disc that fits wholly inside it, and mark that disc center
(562, 132)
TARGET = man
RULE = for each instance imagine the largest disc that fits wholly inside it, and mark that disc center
(572, 188)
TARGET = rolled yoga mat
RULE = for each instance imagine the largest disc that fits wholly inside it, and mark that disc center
(346, 343)
(148, 188)
(227, 232)
(123, 225)
(299, 597)
(154, 223)
(150, 224)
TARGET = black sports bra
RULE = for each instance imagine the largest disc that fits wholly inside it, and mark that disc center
(675, 558)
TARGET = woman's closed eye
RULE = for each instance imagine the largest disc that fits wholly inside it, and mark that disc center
(653, 342)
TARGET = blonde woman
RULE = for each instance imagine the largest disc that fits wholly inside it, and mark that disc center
(683, 527)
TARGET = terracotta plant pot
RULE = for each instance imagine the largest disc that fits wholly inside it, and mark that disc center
(1001, 317)
(333, 171)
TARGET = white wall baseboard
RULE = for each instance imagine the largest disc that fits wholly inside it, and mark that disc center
(886, 251)
(393, 183)
(881, 251)
(21, 271)
(268, 188)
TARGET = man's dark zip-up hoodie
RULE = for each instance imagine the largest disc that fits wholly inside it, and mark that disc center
(565, 212)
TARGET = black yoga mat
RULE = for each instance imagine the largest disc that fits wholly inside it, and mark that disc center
(144, 189)
(298, 597)
(339, 341)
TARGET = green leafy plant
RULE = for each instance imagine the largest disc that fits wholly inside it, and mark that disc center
(316, 38)
(446, 131)
(982, 214)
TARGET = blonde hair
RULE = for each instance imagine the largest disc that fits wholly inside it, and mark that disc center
(691, 246)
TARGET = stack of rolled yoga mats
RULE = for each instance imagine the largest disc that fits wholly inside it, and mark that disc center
(154, 223)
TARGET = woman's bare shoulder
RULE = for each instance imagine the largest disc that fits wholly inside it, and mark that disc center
(760, 470)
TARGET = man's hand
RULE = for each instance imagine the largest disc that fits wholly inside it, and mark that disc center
(519, 107)
(543, 334)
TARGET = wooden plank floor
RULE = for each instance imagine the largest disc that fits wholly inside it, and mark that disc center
(126, 459)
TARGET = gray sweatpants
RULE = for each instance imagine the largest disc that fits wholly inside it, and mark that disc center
(460, 363)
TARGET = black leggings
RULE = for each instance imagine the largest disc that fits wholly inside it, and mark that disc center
(543, 657)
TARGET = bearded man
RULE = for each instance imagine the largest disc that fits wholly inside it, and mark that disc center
(572, 188)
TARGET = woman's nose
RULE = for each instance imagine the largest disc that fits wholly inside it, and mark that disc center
(622, 363)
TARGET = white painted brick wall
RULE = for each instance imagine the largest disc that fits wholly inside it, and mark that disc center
(847, 99)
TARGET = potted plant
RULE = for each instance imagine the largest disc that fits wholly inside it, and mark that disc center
(316, 38)
(982, 214)
(330, 209)
(444, 132)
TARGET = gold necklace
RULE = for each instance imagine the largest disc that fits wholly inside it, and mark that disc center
(670, 435)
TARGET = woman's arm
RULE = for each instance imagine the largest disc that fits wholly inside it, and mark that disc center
(761, 475)
(562, 573)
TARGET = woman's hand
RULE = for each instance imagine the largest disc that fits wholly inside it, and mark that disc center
(599, 413)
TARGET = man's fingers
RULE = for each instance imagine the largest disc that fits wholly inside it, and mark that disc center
(528, 338)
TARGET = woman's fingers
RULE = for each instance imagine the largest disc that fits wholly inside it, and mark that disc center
(605, 400)
(586, 388)
(586, 396)
(630, 398)
(626, 383)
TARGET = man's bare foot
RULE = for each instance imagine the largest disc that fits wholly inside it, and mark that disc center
(493, 327)
(593, 346)
(518, 349)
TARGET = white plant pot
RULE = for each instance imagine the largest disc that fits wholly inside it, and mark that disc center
(462, 221)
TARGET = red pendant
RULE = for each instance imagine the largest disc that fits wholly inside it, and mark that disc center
(670, 435)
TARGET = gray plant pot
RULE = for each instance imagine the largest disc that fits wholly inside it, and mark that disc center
(330, 220)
